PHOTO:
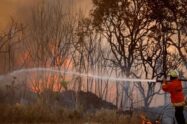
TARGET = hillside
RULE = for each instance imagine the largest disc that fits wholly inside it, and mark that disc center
(88, 101)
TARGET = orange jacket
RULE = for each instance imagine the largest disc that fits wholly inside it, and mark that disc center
(175, 90)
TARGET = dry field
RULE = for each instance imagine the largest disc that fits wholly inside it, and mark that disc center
(19, 114)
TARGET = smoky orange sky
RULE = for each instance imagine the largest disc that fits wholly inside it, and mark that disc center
(19, 10)
(16, 9)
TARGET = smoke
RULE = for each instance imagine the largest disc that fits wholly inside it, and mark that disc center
(20, 10)
(16, 9)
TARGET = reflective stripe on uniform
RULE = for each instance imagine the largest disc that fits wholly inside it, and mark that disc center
(179, 104)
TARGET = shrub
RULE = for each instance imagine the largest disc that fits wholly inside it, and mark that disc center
(39, 113)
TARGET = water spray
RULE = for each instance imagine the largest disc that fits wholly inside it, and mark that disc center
(73, 73)
(88, 75)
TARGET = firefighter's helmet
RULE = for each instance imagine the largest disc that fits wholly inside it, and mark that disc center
(173, 73)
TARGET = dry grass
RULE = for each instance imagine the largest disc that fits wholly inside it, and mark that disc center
(42, 114)
(40, 111)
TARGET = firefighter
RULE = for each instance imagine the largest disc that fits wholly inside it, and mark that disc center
(174, 87)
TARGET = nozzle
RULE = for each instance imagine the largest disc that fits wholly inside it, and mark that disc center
(159, 80)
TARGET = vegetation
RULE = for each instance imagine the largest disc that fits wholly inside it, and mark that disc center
(121, 38)
(39, 113)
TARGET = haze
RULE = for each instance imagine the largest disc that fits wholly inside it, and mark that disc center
(20, 10)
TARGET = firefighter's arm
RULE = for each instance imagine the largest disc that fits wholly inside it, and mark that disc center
(165, 85)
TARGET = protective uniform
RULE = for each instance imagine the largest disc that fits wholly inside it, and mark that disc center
(174, 87)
